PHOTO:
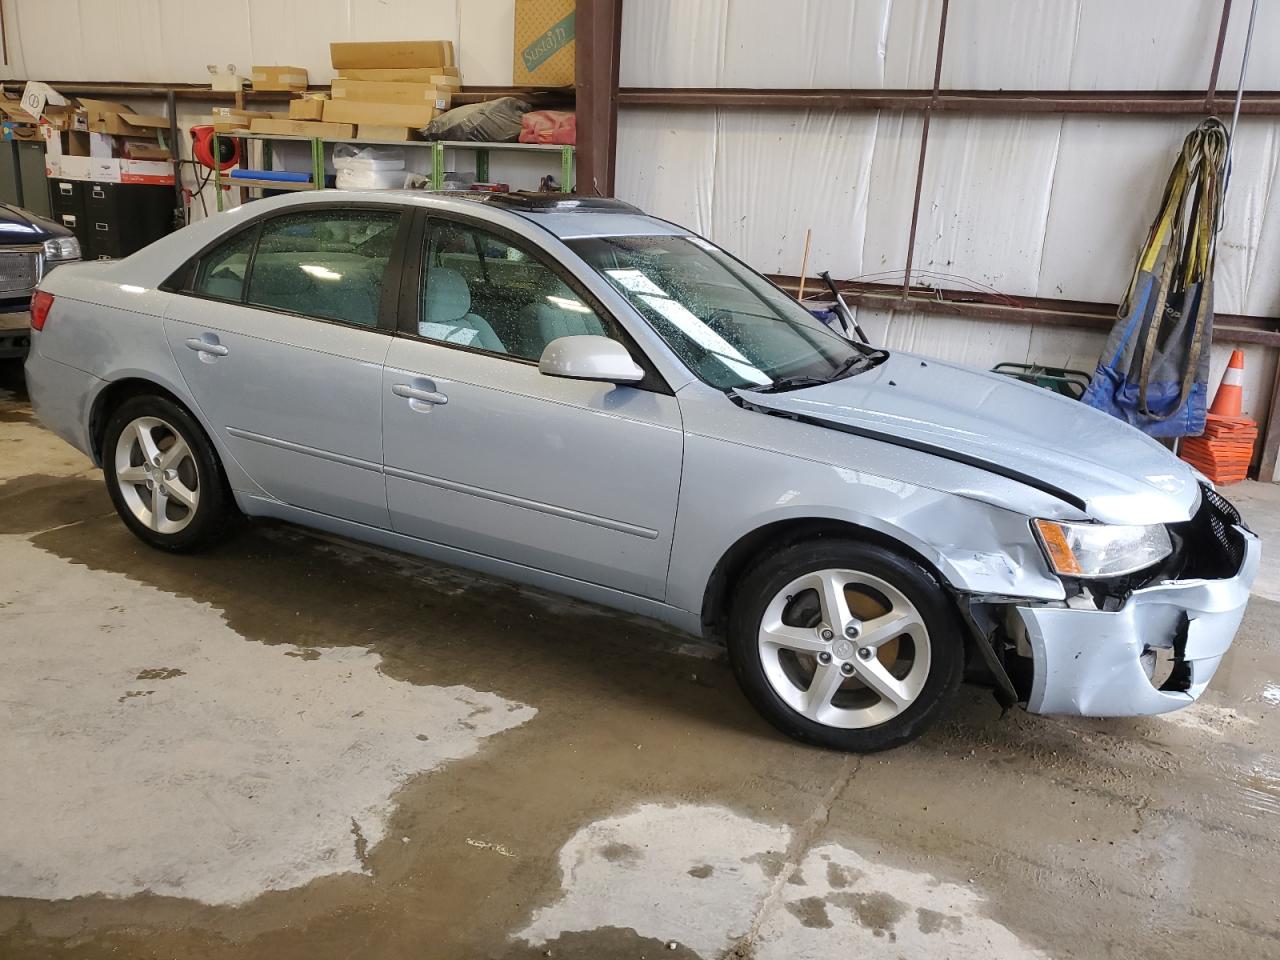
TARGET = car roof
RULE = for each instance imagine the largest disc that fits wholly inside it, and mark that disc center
(564, 215)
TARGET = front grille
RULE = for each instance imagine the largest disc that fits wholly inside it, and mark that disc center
(19, 271)
(1221, 516)
(1208, 544)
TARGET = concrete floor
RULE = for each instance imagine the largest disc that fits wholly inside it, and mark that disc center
(298, 748)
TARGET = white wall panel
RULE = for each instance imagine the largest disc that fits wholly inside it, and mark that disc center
(947, 338)
(672, 43)
(486, 47)
(986, 193)
(1111, 172)
(1010, 45)
(806, 44)
(1248, 274)
(291, 32)
(1168, 45)
(890, 192)
(761, 43)
(174, 40)
(780, 172)
(666, 163)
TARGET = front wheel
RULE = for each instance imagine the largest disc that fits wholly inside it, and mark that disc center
(845, 644)
(163, 475)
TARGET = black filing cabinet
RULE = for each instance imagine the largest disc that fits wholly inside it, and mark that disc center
(66, 197)
(123, 217)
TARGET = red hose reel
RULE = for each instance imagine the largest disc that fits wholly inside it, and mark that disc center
(202, 148)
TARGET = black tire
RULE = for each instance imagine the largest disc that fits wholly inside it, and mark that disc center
(764, 580)
(215, 510)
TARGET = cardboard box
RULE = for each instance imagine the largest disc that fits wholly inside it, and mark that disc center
(105, 170)
(376, 91)
(306, 108)
(279, 78)
(381, 114)
(406, 75)
(144, 150)
(106, 116)
(74, 168)
(146, 171)
(245, 115)
(20, 131)
(101, 145)
(374, 131)
(304, 128)
(544, 43)
(67, 143)
(399, 54)
(63, 115)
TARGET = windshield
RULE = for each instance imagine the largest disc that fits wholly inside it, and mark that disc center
(731, 327)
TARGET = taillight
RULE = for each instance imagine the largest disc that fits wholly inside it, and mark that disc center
(40, 304)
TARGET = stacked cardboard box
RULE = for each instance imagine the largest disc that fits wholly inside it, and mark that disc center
(279, 79)
(107, 142)
(390, 90)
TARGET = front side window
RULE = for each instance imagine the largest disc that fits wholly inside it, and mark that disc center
(328, 264)
(729, 325)
(481, 291)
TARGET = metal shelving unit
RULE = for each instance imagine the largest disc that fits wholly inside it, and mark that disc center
(437, 147)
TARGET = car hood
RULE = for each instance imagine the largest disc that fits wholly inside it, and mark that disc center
(20, 227)
(1102, 465)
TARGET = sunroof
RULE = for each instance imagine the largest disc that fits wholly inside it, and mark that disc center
(548, 202)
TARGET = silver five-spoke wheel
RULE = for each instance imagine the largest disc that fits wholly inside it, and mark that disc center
(844, 648)
(158, 475)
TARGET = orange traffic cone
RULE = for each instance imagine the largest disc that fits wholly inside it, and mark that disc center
(1225, 449)
(1230, 395)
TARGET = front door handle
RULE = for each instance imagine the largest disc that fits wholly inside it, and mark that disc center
(418, 393)
(212, 347)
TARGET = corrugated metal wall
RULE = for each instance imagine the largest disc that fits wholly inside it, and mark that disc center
(1043, 205)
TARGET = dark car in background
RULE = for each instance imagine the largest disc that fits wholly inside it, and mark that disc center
(30, 246)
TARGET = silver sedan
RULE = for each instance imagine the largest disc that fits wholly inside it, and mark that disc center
(574, 395)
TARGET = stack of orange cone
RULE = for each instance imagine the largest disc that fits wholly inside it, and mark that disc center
(1225, 449)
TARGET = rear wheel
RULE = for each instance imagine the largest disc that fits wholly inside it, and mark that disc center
(163, 475)
(844, 644)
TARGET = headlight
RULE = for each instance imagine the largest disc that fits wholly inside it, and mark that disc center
(1099, 549)
(62, 248)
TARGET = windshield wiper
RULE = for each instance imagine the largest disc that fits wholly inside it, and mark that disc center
(788, 383)
(846, 369)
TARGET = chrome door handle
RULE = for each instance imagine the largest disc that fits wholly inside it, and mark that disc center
(415, 393)
(204, 346)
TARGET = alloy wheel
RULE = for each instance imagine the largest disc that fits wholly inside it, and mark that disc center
(158, 476)
(844, 648)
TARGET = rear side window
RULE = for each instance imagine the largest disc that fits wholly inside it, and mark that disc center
(329, 264)
(222, 271)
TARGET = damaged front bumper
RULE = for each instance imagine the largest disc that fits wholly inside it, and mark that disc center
(1100, 663)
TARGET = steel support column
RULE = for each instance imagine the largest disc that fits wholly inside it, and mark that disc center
(599, 40)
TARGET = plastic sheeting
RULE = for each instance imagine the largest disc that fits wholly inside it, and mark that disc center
(174, 40)
(1034, 205)
(991, 44)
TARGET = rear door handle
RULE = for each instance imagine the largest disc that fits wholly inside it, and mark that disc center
(212, 346)
(418, 393)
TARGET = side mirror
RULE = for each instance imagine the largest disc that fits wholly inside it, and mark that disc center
(589, 357)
